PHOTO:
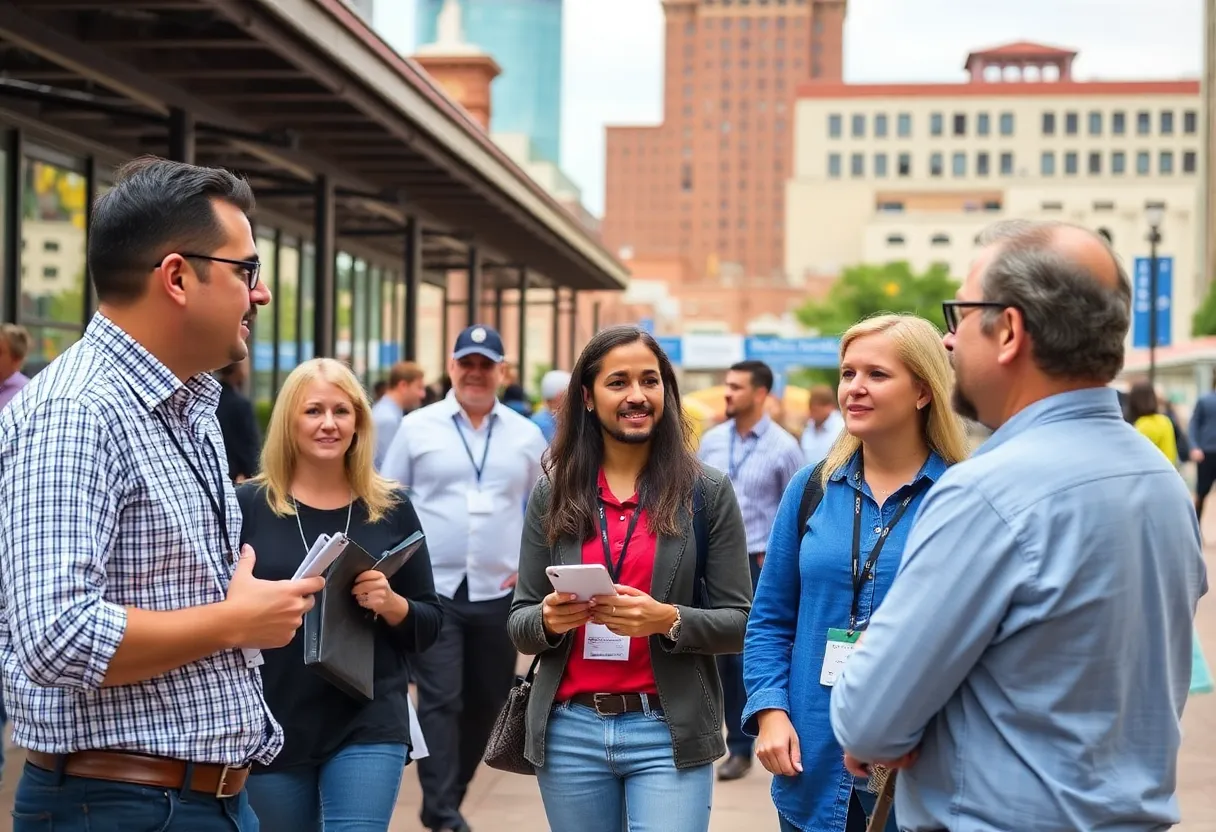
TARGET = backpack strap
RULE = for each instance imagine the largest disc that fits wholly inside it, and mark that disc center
(812, 495)
(700, 534)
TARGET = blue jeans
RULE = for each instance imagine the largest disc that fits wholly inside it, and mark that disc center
(353, 791)
(611, 773)
(861, 806)
(45, 801)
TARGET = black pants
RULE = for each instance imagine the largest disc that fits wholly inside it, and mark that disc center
(463, 681)
(734, 696)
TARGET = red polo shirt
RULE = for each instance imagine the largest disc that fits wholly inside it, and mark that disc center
(634, 675)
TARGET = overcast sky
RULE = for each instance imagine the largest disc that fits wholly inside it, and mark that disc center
(613, 65)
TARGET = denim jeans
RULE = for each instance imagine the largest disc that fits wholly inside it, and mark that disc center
(612, 773)
(45, 802)
(861, 806)
(353, 791)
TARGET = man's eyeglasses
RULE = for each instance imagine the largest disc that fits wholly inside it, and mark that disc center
(251, 268)
(952, 310)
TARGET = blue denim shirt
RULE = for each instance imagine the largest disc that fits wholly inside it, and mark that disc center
(806, 587)
(1036, 645)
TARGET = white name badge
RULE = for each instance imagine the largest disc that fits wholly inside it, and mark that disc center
(840, 647)
(480, 503)
(601, 644)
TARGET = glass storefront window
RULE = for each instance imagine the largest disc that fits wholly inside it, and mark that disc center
(390, 335)
(375, 302)
(262, 378)
(287, 303)
(52, 245)
(359, 330)
(308, 311)
(343, 278)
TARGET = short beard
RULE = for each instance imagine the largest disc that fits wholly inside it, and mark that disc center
(963, 406)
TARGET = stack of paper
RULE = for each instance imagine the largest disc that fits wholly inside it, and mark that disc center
(324, 551)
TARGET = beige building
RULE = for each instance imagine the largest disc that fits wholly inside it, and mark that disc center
(888, 172)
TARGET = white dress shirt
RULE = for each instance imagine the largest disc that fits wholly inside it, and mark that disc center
(817, 441)
(386, 418)
(428, 456)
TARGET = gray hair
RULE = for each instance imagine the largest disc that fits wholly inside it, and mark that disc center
(1076, 322)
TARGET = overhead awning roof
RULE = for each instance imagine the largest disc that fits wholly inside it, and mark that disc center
(284, 90)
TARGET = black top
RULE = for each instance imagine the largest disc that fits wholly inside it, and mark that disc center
(240, 429)
(318, 719)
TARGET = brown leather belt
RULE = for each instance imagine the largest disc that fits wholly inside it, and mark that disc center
(615, 704)
(159, 772)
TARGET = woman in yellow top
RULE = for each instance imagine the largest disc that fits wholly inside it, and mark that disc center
(1144, 413)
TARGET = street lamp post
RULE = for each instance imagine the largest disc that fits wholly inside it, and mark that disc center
(1155, 212)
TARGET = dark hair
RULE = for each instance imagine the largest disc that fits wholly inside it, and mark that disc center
(762, 374)
(155, 208)
(573, 462)
(1141, 401)
(1077, 323)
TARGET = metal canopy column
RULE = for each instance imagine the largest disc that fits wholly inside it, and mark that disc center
(557, 327)
(573, 326)
(475, 286)
(13, 149)
(523, 323)
(324, 307)
(412, 275)
(498, 309)
(181, 136)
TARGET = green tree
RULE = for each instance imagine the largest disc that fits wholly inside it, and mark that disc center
(1204, 320)
(863, 291)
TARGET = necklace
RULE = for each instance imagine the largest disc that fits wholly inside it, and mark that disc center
(300, 525)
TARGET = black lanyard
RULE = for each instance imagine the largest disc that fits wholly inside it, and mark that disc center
(217, 506)
(485, 454)
(614, 569)
(732, 468)
(862, 573)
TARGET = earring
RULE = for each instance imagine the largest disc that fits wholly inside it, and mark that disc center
(590, 408)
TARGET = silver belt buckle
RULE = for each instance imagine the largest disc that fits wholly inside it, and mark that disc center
(602, 697)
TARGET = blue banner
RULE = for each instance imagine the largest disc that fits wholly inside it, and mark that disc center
(674, 347)
(782, 354)
(1141, 294)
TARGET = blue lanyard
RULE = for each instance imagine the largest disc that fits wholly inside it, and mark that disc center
(479, 469)
(732, 468)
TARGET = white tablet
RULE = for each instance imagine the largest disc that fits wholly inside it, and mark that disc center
(583, 580)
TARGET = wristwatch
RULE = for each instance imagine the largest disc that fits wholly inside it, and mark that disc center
(674, 633)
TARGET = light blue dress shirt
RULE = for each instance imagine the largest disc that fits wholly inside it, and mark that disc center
(806, 588)
(1036, 644)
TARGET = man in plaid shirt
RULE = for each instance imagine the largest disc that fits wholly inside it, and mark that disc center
(129, 623)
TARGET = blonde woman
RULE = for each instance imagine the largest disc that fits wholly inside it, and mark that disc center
(342, 759)
(900, 435)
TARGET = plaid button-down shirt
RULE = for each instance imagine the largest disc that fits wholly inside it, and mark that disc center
(102, 512)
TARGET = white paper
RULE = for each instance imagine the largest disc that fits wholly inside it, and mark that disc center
(323, 552)
(480, 503)
(834, 659)
(602, 644)
(417, 741)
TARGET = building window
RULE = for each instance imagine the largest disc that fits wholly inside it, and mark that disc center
(983, 124)
(1070, 163)
(1143, 163)
(958, 164)
(834, 165)
(1118, 163)
(1047, 163)
(960, 124)
(880, 126)
(50, 245)
(857, 165)
(1006, 164)
(939, 240)
(1095, 123)
(895, 239)
(1144, 123)
(686, 177)
(1165, 163)
(905, 164)
(1070, 124)
(859, 126)
(890, 207)
(1049, 124)
(880, 165)
(935, 164)
(1167, 122)
(935, 124)
(1051, 206)
(1095, 163)
(981, 164)
(1104, 205)
(1006, 124)
(1190, 122)
(1118, 123)
(50, 272)
(903, 125)
(1189, 161)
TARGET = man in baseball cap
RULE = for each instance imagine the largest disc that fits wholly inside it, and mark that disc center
(479, 340)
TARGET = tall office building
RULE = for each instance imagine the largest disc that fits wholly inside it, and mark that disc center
(525, 38)
(707, 187)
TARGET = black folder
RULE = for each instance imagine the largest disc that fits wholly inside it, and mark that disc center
(339, 635)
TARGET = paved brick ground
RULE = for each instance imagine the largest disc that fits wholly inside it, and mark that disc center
(503, 802)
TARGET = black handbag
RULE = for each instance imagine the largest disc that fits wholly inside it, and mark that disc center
(505, 749)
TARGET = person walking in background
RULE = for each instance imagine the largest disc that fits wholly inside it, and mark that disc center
(242, 442)
(14, 347)
(552, 391)
(824, 425)
(623, 720)
(1202, 435)
(760, 459)
(825, 575)
(1144, 412)
(342, 759)
(404, 394)
(131, 625)
(1029, 667)
(469, 463)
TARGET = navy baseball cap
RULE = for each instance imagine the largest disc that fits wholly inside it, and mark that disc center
(479, 339)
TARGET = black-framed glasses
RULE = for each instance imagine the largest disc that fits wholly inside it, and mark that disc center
(251, 268)
(952, 310)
